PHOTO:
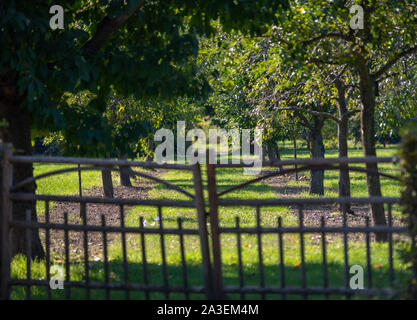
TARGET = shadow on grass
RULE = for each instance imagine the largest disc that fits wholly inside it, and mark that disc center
(194, 272)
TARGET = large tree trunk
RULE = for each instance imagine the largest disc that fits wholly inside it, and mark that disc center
(18, 133)
(368, 142)
(316, 151)
(342, 135)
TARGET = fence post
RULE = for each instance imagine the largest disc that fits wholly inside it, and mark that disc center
(4, 221)
(215, 234)
(202, 230)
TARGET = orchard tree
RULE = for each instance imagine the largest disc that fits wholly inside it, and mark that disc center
(325, 33)
(135, 47)
(397, 101)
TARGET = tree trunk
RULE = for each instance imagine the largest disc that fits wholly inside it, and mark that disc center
(263, 153)
(124, 173)
(342, 135)
(295, 156)
(271, 152)
(18, 133)
(107, 183)
(316, 151)
(151, 150)
(277, 152)
(368, 142)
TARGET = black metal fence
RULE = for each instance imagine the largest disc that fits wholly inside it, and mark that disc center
(121, 279)
(395, 235)
(8, 223)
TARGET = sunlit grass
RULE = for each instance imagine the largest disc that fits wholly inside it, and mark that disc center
(227, 215)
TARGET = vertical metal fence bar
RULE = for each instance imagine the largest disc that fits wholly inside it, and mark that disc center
(124, 252)
(390, 247)
(163, 254)
(281, 257)
(144, 262)
(239, 256)
(324, 257)
(215, 232)
(105, 257)
(67, 258)
(345, 254)
(183, 261)
(368, 255)
(202, 231)
(260, 257)
(80, 190)
(302, 251)
(48, 250)
(5, 216)
(86, 253)
(28, 234)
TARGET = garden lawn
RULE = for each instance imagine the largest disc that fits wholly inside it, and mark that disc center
(270, 251)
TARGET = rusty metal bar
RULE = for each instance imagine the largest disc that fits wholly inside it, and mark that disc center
(321, 161)
(124, 252)
(346, 254)
(390, 248)
(327, 229)
(368, 254)
(105, 257)
(47, 251)
(28, 235)
(305, 168)
(281, 257)
(324, 257)
(260, 257)
(296, 201)
(239, 256)
(215, 232)
(80, 190)
(98, 162)
(79, 169)
(183, 260)
(116, 201)
(302, 250)
(67, 259)
(97, 228)
(203, 232)
(83, 212)
(163, 253)
(144, 262)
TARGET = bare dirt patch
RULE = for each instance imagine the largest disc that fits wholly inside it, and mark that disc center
(112, 213)
(332, 216)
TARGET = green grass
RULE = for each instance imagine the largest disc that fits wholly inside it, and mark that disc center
(62, 184)
(225, 178)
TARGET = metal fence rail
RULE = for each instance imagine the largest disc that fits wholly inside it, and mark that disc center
(209, 228)
(300, 231)
(11, 195)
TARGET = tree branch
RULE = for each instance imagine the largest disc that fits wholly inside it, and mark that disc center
(393, 61)
(314, 113)
(106, 27)
(346, 37)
